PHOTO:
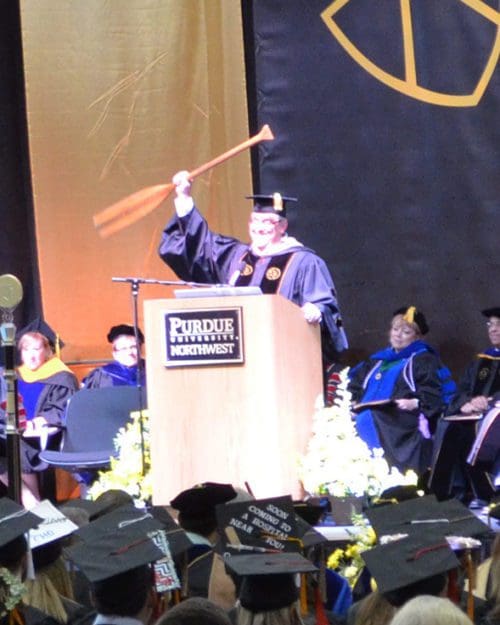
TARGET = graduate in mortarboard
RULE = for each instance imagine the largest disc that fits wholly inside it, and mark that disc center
(15, 522)
(274, 261)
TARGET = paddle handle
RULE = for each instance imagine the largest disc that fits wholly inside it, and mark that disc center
(265, 134)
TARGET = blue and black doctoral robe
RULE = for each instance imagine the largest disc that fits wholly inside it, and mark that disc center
(414, 372)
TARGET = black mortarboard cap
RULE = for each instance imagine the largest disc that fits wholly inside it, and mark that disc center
(412, 315)
(405, 565)
(202, 498)
(268, 579)
(176, 536)
(397, 494)
(41, 326)
(15, 520)
(93, 508)
(274, 203)
(307, 515)
(451, 517)
(126, 519)
(111, 553)
(123, 330)
(491, 312)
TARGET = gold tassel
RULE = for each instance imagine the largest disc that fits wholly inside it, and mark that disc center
(409, 315)
(303, 595)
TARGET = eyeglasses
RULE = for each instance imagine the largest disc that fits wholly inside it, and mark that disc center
(127, 348)
(493, 324)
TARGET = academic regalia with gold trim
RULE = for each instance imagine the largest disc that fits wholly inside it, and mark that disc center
(46, 391)
(454, 439)
(196, 253)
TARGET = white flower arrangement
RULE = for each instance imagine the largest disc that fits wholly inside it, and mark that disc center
(337, 462)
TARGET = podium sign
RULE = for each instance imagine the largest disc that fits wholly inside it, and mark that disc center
(233, 423)
(203, 336)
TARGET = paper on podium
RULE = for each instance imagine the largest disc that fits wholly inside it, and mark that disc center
(217, 291)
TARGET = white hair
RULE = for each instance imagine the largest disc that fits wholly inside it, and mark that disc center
(430, 610)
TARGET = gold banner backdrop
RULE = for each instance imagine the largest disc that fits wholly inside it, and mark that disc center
(120, 96)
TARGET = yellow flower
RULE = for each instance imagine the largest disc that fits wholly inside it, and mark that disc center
(335, 559)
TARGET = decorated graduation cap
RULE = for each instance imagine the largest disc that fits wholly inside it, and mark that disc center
(42, 327)
(491, 312)
(412, 315)
(123, 330)
(261, 525)
(274, 203)
(15, 521)
(268, 579)
(411, 566)
(202, 498)
(450, 517)
(176, 536)
(54, 525)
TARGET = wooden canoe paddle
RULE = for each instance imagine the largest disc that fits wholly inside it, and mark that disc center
(133, 207)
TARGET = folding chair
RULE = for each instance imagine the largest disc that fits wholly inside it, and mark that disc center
(93, 418)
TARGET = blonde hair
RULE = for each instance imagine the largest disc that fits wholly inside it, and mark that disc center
(29, 337)
(46, 591)
(289, 615)
(374, 609)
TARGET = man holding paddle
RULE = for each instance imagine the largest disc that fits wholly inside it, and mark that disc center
(274, 261)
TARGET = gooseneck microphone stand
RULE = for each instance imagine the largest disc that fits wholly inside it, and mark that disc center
(134, 292)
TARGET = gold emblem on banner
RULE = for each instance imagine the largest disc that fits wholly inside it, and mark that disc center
(409, 84)
(247, 270)
(273, 273)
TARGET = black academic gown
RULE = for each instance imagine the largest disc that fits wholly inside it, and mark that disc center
(197, 254)
(403, 443)
(454, 439)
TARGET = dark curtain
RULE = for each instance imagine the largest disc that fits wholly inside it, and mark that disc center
(17, 237)
(399, 195)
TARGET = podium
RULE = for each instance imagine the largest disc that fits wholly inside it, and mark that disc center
(239, 423)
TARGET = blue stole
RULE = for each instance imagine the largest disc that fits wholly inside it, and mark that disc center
(379, 384)
(123, 376)
(30, 392)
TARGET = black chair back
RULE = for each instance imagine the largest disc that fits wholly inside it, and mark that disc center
(93, 418)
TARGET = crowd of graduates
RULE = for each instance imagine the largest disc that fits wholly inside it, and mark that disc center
(215, 555)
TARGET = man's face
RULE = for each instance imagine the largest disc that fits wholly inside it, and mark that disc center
(493, 325)
(265, 229)
(125, 350)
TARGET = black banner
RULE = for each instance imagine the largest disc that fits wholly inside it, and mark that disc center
(386, 123)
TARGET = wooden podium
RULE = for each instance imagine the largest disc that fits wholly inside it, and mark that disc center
(233, 423)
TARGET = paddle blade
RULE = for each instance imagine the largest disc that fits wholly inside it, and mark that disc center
(131, 208)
